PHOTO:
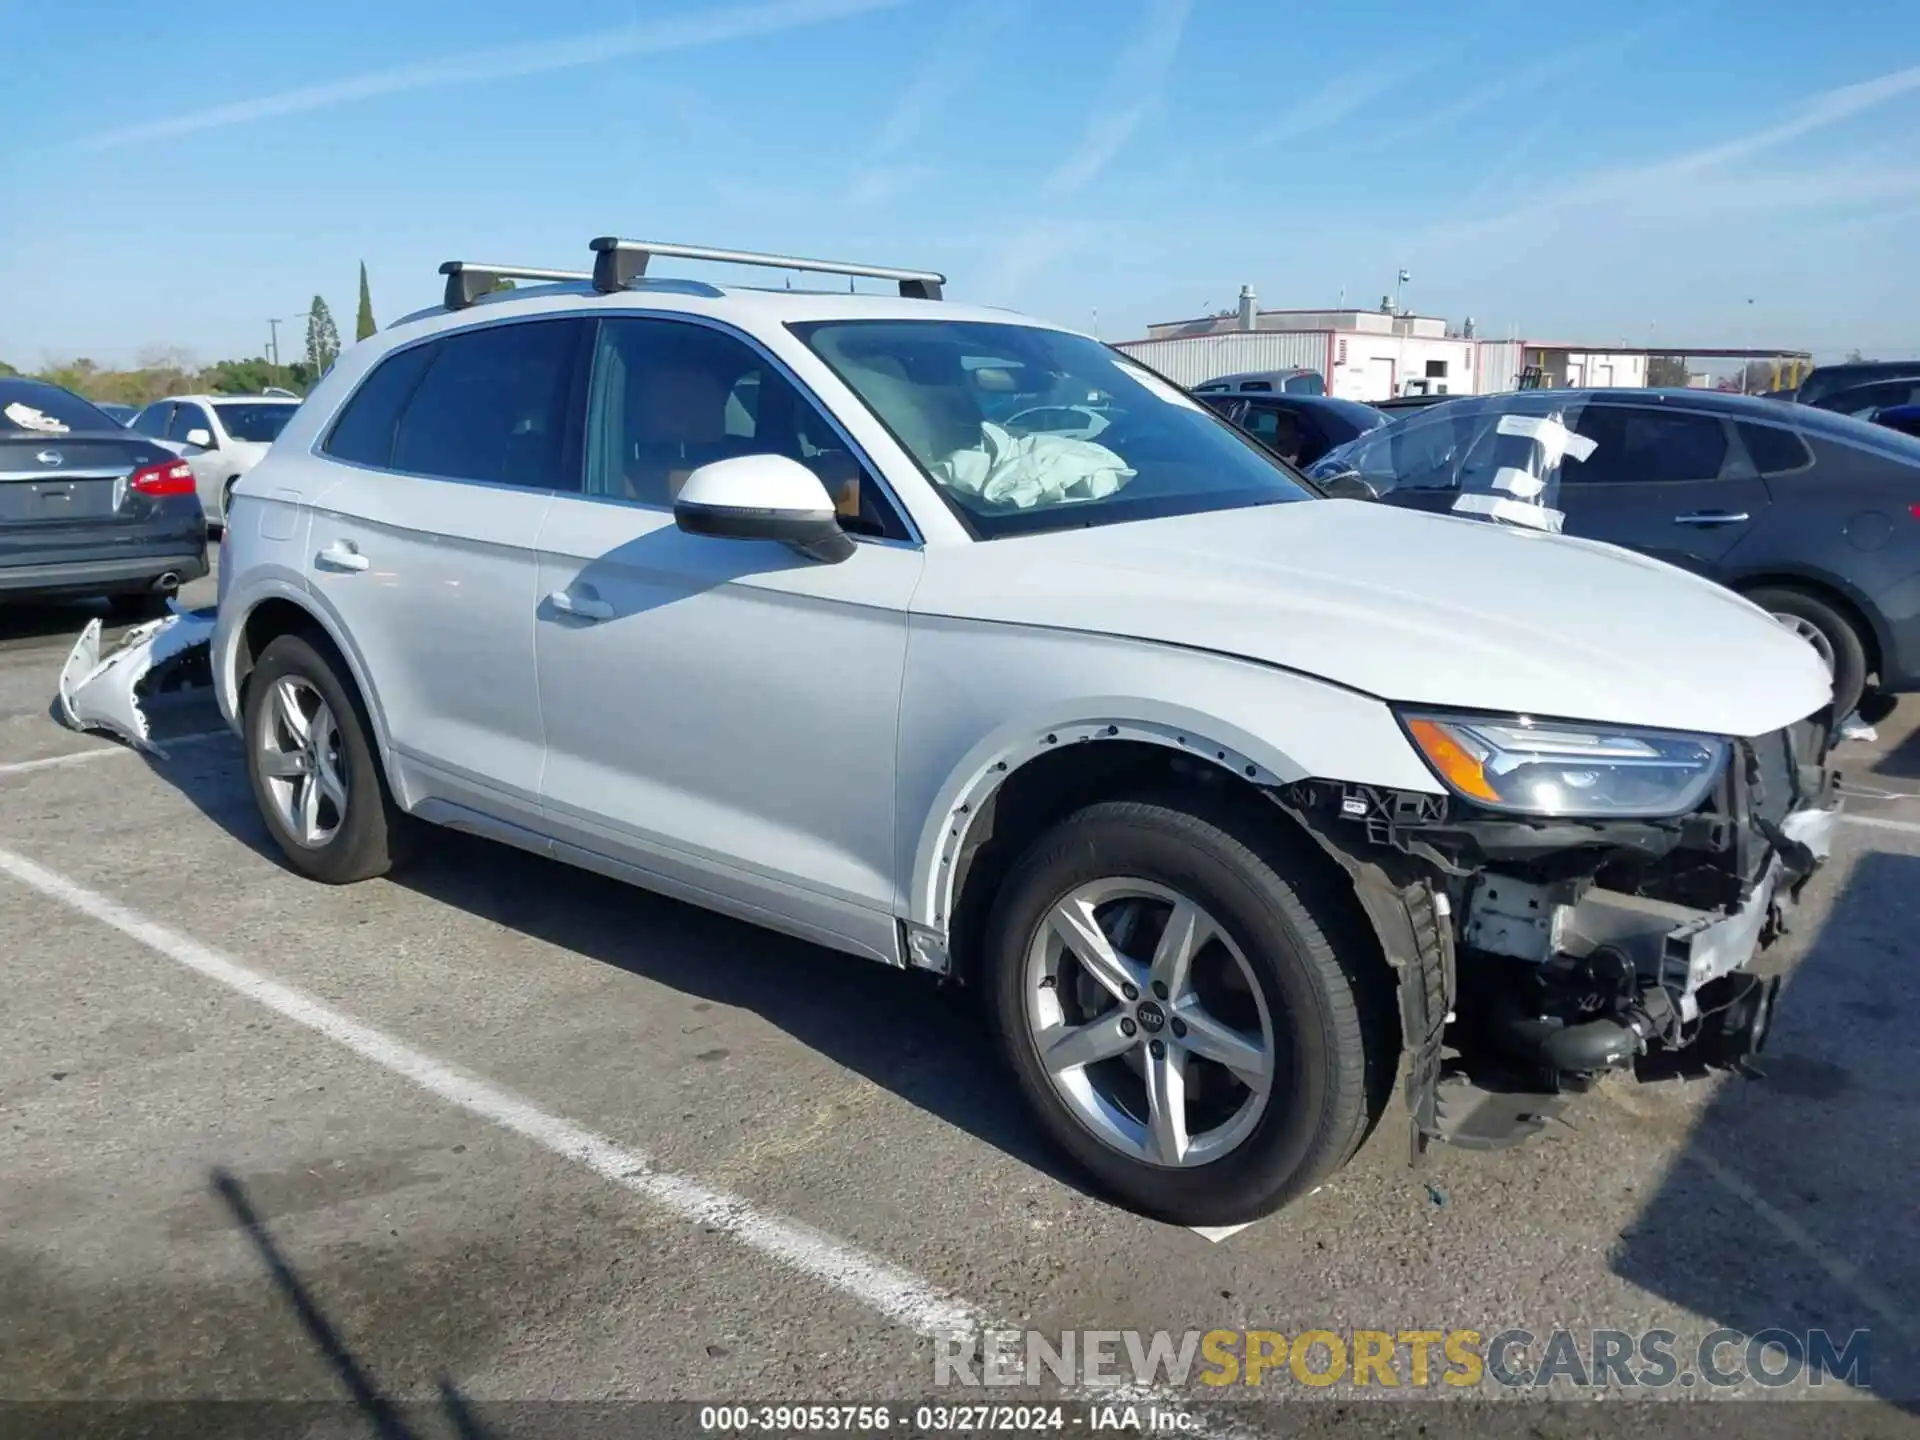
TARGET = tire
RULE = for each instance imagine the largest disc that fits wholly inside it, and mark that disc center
(367, 836)
(1842, 643)
(1321, 991)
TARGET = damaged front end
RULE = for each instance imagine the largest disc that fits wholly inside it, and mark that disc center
(1536, 954)
(106, 693)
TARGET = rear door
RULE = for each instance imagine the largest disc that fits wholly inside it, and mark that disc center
(1669, 483)
(446, 460)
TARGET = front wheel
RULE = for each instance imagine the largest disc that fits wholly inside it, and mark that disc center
(314, 770)
(1190, 1011)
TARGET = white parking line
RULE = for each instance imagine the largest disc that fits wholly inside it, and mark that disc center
(81, 757)
(893, 1292)
(1910, 827)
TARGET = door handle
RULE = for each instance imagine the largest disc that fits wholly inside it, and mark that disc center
(1711, 517)
(568, 603)
(341, 556)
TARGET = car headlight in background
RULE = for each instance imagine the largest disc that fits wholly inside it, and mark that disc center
(1562, 769)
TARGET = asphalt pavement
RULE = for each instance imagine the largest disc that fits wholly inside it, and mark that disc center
(495, 1130)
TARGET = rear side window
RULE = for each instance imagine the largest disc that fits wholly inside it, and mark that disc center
(1309, 384)
(493, 406)
(1775, 451)
(363, 435)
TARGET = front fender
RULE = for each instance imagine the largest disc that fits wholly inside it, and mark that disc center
(980, 701)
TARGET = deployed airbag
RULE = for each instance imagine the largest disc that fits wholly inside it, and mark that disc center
(1028, 470)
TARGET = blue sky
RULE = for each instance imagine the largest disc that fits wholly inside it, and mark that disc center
(173, 175)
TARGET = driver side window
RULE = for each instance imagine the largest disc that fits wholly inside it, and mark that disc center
(668, 397)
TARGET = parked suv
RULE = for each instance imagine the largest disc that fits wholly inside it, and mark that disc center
(1808, 513)
(1228, 797)
(221, 436)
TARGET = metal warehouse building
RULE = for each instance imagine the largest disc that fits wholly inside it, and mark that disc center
(1369, 355)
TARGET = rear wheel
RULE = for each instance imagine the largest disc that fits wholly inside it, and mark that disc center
(1831, 635)
(1187, 1016)
(314, 770)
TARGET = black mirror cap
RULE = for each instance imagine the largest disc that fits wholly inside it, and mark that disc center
(1347, 485)
(816, 534)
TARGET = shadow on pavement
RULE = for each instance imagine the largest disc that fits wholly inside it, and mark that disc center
(926, 1041)
(1794, 1204)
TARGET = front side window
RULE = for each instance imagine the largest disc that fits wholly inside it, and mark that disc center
(668, 397)
(185, 418)
(493, 407)
(1159, 452)
(254, 420)
(1647, 446)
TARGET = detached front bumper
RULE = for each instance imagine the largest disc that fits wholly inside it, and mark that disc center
(105, 694)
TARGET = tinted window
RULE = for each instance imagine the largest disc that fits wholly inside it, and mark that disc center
(493, 407)
(36, 409)
(1160, 453)
(1263, 386)
(185, 418)
(1774, 451)
(1647, 446)
(669, 397)
(1276, 429)
(363, 435)
(153, 420)
(1309, 384)
(255, 420)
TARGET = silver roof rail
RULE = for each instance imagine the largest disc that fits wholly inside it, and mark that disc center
(618, 263)
(467, 280)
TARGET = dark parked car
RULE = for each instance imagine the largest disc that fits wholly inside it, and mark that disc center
(1904, 418)
(1297, 381)
(87, 507)
(1297, 428)
(1830, 379)
(1813, 515)
(1864, 402)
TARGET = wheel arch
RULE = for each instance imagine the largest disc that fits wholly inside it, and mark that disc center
(284, 610)
(1025, 777)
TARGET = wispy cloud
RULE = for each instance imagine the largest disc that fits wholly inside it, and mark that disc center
(1676, 182)
(957, 55)
(472, 67)
(1344, 95)
(1131, 96)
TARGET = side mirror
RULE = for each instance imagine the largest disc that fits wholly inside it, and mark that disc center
(763, 497)
(1347, 485)
(200, 436)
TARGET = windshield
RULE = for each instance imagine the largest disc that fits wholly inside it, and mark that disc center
(35, 409)
(259, 421)
(1023, 429)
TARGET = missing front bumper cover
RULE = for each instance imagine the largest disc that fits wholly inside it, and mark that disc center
(105, 693)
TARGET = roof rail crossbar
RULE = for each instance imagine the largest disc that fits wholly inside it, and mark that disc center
(467, 281)
(618, 263)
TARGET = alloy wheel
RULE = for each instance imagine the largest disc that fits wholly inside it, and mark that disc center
(1813, 635)
(1149, 1023)
(300, 759)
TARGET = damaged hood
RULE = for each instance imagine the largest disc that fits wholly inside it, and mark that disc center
(1415, 608)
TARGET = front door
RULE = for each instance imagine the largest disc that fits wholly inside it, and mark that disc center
(424, 545)
(209, 465)
(1668, 483)
(721, 713)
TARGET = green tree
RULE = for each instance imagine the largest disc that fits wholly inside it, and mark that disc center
(501, 282)
(363, 325)
(6, 370)
(323, 338)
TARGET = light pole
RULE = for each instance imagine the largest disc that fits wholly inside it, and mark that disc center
(273, 347)
(1399, 280)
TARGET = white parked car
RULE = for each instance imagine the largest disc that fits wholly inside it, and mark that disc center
(221, 436)
(1228, 795)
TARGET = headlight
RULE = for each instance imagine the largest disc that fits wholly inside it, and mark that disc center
(1560, 769)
